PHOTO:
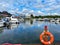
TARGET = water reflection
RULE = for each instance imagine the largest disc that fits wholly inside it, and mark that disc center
(1, 29)
(12, 26)
(28, 31)
(30, 22)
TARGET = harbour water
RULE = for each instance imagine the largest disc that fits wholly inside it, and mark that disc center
(28, 32)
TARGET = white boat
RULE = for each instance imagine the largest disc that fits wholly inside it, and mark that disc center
(52, 20)
(1, 23)
(58, 21)
(40, 19)
(46, 19)
(13, 20)
(21, 20)
(6, 21)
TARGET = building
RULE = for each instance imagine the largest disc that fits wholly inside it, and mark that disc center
(5, 14)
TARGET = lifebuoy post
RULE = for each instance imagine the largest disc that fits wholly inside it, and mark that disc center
(44, 37)
(45, 28)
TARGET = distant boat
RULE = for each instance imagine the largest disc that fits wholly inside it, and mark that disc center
(52, 20)
(46, 19)
(39, 19)
(58, 21)
(21, 20)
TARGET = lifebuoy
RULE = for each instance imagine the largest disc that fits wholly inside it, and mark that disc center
(47, 42)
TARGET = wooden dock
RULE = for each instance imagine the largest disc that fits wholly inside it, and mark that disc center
(31, 44)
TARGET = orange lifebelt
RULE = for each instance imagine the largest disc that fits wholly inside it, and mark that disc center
(47, 42)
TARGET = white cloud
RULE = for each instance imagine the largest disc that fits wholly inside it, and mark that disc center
(11, 11)
(32, 11)
(40, 13)
(45, 5)
(55, 14)
(25, 10)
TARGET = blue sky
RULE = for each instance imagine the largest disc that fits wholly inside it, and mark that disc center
(31, 6)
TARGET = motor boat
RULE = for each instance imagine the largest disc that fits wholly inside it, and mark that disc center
(58, 21)
(21, 20)
(40, 19)
(6, 21)
(13, 20)
(52, 20)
